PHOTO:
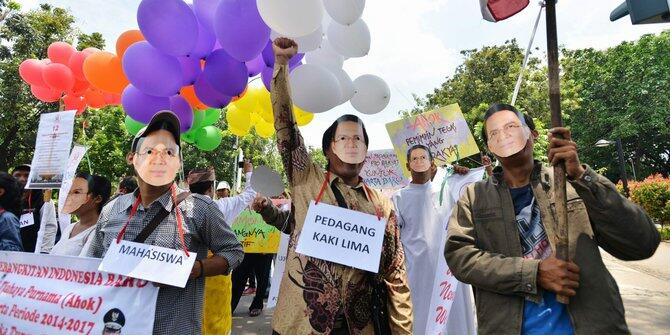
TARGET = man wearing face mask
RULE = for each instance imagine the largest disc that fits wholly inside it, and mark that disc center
(318, 296)
(190, 222)
(501, 237)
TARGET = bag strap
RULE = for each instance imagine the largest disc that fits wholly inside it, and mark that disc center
(338, 196)
(160, 216)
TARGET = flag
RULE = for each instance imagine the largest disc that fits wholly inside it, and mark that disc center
(498, 10)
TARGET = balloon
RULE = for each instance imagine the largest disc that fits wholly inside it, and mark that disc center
(325, 56)
(248, 102)
(315, 88)
(264, 104)
(291, 17)
(204, 44)
(350, 41)
(238, 131)
(71, 102)
(198, 118)
(141, 106)
(240, 29)
(305, 43)
(76, 64)
(79, 88)
(132, 126)
(344, 11)
(225, 74)
(372, 94)
(264, 129)
(30, 71)
(212, 116)
(255, 118)
(239, 96)
(169, 25)
(208, 95)
(152, 71)
(188, 92)
(269, 57)
(94, 98)
(255, 66)
(126, 39)
(104, 71)
(346, 85)
(208, 138)
(190, 68)
(239, 122)
(60, 52)
(58, 76)
(45, 94)
(91, 50)
(266, 76)
(112, 99)
(189, 136)
(302, 118)
(204, 11)
(182, 109)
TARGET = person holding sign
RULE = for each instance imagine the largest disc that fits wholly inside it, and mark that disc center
(86, 197)
(165, 233)
(501, 237)
(319, 296)
(10, 207)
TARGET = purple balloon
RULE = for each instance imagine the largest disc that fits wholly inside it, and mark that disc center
(190, 68)
(255, 66)
(204, 11)
(266, 76)
(140, 106)
(208, 95)
(269, 57)
(169, 25)
(180, 107)
(152, 71)
(205, 44)
(226, 74)
(240, 29)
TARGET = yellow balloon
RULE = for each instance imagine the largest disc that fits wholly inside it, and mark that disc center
(264, 104)
(249, 102)
(237, 131)
(302, 118)
(238, 119)
(255, 118)
(264, 129)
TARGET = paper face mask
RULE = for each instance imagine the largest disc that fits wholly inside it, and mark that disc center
(157, 159)
(77, 196)
(349, 143)
(506, 134)
(419, 160)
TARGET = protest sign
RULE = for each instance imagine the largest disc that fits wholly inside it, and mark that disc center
(255, 235)
(52, 149)
(444, 131)
(77, 153)
(278, 273)
(342, 236)
(382, 170)
(49, 294)
(266, 181)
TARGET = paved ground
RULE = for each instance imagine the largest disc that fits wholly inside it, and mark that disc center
(644, 285)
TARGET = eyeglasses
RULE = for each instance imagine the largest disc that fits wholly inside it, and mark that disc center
(345, 138)
(169, 152)
(507, 129)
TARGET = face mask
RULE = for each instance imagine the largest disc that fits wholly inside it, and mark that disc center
(419, 161)
(349, 143)
(507, 136)
(77, 196)
(157, 159)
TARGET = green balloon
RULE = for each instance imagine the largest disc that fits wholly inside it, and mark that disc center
(208, 138)
(189, 136)
(198, 118)
(133, 126)
(212, 115)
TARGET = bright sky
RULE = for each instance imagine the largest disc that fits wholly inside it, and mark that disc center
(415, 44)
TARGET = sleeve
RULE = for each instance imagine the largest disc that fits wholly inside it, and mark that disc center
(233, 206)
(290, 143)
(395, 278)
(621, 227)
(10, 238)
(219, 237)
(485, 270)
(276, 217)
(401, 222)
(94, 247)
(50, 224)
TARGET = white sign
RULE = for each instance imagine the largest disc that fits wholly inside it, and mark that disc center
(149, 262)
(280, 265)
(382, 170)
(52, 148)
(76, 155)
(26, 220)
(342, 236)
(49, 294)
(266, 182)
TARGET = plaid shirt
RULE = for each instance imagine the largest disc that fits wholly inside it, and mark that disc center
(178, 311)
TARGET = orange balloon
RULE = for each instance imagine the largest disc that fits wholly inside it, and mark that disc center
(188, 93)
(104, 71)
(238, 97)
(127, 39)
(94, 98)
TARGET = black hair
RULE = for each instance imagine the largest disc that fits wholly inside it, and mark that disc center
(128, 183)
(525, 119)
(330, 132)
(200, 187)
(11, 199)
(418, 146)
(97, 186)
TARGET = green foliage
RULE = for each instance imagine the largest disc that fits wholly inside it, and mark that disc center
(665, 233)
(652, 194)
(94, 40)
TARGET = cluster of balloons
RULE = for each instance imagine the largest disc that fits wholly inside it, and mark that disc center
(63, 75)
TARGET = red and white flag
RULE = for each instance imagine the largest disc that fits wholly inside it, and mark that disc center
(498, 10)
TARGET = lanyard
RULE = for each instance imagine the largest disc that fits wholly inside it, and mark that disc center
(365, 189)
(180, 227)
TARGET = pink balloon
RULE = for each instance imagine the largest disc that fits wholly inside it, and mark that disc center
(76, 63)
(30, 71)
(74, 103)
(58, 77)
(45, 94)
(60, 52)
(112, 99)
(79, 88)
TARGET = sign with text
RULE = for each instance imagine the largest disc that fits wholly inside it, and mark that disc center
(149, 262)
(255, 235)
(77, 153)
(342, 236)
(49, 294)
(278, 273)
(52, 149)
(382, 170)
(444, 131)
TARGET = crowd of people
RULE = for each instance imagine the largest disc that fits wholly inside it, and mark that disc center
(501, 234)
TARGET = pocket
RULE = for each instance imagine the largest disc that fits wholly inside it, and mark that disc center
(490, 231)
(578, 218)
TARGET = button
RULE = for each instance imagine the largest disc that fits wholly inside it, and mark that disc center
(588, 178)
(529, 287)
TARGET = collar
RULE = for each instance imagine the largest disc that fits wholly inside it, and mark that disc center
(360, 186)
(539, 174)
(127, 200)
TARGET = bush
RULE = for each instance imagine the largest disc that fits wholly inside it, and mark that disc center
(665, 234)
(652, 194)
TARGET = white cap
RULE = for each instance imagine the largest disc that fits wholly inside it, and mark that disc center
(223, 185)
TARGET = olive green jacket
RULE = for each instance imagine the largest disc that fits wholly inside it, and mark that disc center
(483, 249)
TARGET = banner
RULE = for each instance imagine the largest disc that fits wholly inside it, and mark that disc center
(444, 131)
(52, 149)
(382, 170)
(77, 153)
(255, 235)
(49, 294)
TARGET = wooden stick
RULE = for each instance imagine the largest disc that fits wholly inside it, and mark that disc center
(557, 121)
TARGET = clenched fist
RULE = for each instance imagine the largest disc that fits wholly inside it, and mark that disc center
(284, 48)
(558, 276)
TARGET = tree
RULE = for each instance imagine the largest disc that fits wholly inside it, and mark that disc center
(94, 40)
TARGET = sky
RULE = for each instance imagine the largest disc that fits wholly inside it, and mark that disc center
(415, 44)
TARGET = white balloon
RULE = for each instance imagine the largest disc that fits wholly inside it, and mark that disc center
(305, 43)
(350, 41)
(325, 56)
(372, 94)
(346, 85)
(344, 11)
(291, 17)
(314, 88)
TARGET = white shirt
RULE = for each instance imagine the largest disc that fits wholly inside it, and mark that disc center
(73, 245)
(46, 236)
(231, 207)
